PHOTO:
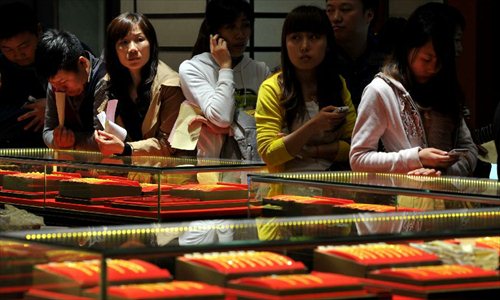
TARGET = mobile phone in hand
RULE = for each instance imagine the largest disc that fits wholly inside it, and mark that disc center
(341, 109)
(458, 152)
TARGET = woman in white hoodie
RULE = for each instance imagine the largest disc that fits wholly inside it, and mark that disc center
(219, 78)
(413, 107)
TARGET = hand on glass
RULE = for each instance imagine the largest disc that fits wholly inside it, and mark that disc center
(425, 172)
(63, 137)
(36, 112)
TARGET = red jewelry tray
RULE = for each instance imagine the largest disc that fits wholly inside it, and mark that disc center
(436, 275)
(185, 290)
(87, 273)
(35, 181)
(325, 260)
(456, 291)
(28, 195)
(378, 255)
(309, 200)
(178, 205)
(242, 263)
(212, 273)
(365, 207)
(100, 209)
(315, 282)
(39, 294)
(343, 295)
(204, 192)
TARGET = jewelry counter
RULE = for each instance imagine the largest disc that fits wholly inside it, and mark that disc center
(238, 259)
(76, 188)
(322, 193)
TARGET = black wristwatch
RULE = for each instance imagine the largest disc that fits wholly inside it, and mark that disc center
(127, 150)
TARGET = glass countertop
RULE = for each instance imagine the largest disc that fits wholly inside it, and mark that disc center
(445, 187)
(146, 163)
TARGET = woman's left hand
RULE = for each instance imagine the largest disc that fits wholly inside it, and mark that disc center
(108, 143)
(425, 172)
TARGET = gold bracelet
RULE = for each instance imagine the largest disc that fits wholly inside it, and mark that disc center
(289, 281)
(134, 267)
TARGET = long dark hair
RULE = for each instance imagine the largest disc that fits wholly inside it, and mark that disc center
(120, 78)
(217, 14)
(442, 92)
(329, 86)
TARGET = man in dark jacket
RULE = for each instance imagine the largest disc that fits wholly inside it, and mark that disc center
(22, 93)
(73, 74)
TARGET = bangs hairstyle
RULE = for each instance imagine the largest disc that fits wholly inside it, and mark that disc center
(217, 14)
(329, 86)
(118, 29)
(222, 12)
(306, 19)
(428, 24)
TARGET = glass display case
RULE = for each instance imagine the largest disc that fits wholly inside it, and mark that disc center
(320, 257)
(299, 194)
(78, 187)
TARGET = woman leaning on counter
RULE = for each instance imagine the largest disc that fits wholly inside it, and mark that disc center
(148, 91)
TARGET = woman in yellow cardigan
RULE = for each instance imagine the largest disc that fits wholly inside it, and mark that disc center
(304, 112)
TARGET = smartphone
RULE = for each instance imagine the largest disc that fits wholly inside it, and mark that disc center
(457, 152)
(341, 109)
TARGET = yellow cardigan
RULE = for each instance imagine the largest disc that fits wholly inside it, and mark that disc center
(270, 119)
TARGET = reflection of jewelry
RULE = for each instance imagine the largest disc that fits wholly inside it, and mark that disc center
(222, 263)
(392, 252)
(285, 279)
(76, 266)
(116, 267)
(280, 260)
(302, 279)
(315, 278)
(134, 267)
(235, 263)
(256, 260)
(154, 287)
(264, 261)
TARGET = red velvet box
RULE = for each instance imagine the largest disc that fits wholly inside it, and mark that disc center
(219, 191)
(87, 188)
(219, 268)
(440, 282)
(73, 277)
(291, 205)
(315, 285)
(359, 260)
(175, 290)
(35, 181)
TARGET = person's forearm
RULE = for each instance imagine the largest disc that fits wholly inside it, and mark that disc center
(295, 141)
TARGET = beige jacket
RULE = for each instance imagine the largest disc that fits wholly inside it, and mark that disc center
(161, 115)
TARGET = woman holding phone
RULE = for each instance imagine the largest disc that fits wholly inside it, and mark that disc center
(304, 112)
(414, 107)
(220, 78)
